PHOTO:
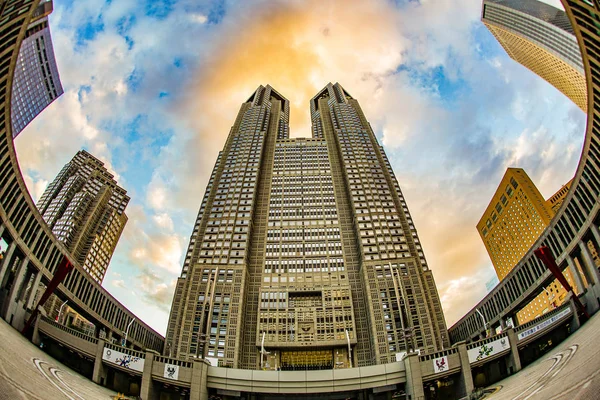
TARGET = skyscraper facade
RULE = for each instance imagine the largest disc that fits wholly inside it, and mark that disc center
(36, 82)
(515, 218)
(85, 208)
(304, 254)
(539, 37)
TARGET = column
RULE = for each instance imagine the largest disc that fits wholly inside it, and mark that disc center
(31, 299)
(465, 369)
(502, 324)
(9, 305)
(99, 374)
(575, 273)
(575, 322)
(198, 389)
(35, 339)
(147, 391)
(593, 290)
(515, 359)
(7, 261)
(414, 379)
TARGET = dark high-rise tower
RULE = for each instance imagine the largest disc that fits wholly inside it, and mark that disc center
(303, 252)
(36, 82)
(85, 208)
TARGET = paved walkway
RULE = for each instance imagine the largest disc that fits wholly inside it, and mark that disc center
(26, 372)
(571, 371)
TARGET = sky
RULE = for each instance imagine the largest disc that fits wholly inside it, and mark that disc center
(153, 87)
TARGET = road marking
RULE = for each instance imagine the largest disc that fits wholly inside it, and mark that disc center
(55, 372)
(560, 361)
(38, 365)
(581, 385)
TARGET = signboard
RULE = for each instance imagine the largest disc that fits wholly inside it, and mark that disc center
(487, 350)
(171, 371)
(123, 360)
(544, 324)
(440, 364)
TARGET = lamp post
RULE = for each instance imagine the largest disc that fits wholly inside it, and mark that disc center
(60, 310)
(349, 348)
(484, 321)
(127, 332)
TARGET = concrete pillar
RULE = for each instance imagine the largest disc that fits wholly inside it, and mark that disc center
(575, 273)
(503, 324)
(466, 376)
(514, 359)
(34, 288)
(147, 391)
(198, 389)
(9, 305)
(35, 339)
(588, 263)
(7, 261)
(414, 378)
(575, 322)
(99, 374)
(593, 290)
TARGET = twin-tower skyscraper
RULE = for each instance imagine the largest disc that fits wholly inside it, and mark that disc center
(304, 254)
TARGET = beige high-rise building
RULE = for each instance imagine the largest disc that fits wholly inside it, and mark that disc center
(304, 254)
(85, 208)
(515, 218)
(539, 37)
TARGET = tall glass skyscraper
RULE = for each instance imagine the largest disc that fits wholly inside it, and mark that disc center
(539, 37)
(36, 82)
(85, 208)
(304, 254)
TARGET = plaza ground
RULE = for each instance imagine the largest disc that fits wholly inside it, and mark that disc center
(571, 370)
(26, 372)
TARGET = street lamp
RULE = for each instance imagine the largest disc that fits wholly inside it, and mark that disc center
(484, 321)
(60, 310)
(349, 348)
(127, 332)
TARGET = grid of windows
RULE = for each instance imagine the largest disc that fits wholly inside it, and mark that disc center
(540, 38)
(36, 82)
(85, 208)
(287, 231)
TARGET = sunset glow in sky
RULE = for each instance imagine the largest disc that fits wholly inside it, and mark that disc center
(153, 87)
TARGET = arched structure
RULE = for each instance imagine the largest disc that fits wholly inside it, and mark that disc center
(573, 234)
(33, 252)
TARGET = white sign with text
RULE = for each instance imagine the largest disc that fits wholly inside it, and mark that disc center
(544, 324)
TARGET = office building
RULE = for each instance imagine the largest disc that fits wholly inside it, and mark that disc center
(304, 255)
(556, 200)
(515, 218)
(85, 208)
(36, 82)
(539, 37)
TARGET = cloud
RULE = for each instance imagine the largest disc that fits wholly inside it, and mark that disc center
(155, 292)
(452, 110)
(118, 283)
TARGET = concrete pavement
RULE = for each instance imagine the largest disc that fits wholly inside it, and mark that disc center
(570, 371)
(26, 372)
